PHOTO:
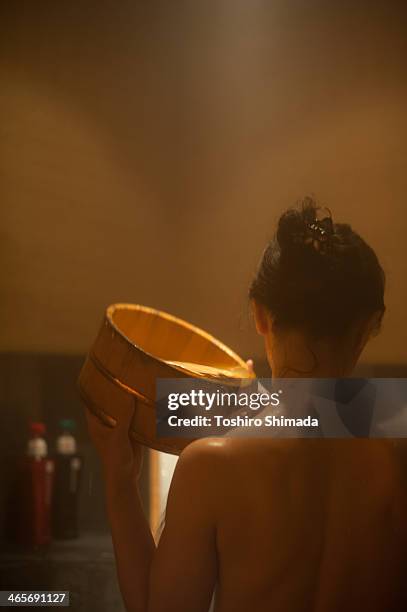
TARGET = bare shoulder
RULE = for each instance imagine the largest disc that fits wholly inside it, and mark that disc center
(210, 457)
(222, 453)
(206, 452)
(213, 471)
(202, 465)
(217, 449)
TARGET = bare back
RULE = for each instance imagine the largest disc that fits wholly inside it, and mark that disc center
(312, 526)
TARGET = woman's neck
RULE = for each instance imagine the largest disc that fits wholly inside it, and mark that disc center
(297, 357)
(298, 371)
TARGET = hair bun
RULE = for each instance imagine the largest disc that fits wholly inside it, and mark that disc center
(311, 225)
(291, 229)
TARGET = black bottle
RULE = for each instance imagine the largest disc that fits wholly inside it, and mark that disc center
(68, 471)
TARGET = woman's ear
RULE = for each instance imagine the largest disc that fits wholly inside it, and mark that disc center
(370, 328)
(261, 318)
(363, 332)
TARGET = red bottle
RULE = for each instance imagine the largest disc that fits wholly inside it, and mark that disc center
(36, 491)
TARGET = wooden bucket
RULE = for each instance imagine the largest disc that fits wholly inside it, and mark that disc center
(135, 346)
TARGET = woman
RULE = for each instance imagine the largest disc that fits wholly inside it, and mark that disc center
(281, 525)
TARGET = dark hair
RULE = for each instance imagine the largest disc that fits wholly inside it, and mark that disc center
(318, 276)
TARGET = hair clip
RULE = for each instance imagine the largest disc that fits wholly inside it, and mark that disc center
(320, 231)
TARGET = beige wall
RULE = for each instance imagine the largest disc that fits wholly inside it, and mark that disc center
(148, 148)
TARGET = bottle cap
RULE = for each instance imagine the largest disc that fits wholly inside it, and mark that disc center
(37, 428)
(67, 424)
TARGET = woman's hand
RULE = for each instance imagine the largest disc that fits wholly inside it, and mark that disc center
(250, 366)
(120, 454)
